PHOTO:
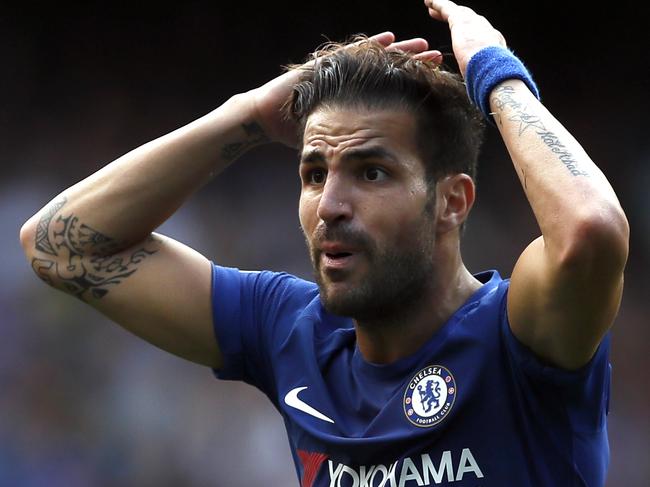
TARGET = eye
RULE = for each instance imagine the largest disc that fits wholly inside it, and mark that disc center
(374, 174)
(316, 176)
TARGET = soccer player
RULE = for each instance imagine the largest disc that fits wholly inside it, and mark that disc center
(398, 366)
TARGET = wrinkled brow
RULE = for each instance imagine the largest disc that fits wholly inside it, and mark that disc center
(315, 155)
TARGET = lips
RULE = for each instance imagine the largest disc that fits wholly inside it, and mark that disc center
(337, 261)
(337, 256)
(336, 247)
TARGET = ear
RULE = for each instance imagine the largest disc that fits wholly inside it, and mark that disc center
(454, 199)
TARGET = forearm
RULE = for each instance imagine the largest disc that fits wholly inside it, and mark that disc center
(130, 197)
(572, 200)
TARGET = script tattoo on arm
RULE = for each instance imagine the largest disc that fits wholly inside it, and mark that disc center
(81, 260)
(254, 135)
(504, 99)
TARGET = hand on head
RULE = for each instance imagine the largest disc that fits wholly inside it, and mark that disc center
(470, 32)
(267, 100)
(417, 46)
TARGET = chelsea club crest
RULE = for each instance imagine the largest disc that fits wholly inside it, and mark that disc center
(429, 396)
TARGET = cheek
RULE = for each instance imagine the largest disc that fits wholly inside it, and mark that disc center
(388, 226)
(307, 214)
(408, 224)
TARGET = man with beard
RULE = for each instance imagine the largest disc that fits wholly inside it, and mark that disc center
(399, 367)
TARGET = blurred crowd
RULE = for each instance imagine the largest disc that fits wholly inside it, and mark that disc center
(84, 403)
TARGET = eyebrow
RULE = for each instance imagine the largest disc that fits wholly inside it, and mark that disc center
(316, 156)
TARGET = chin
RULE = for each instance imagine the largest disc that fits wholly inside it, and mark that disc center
(334, 293)
(347, 299)
(335, 297)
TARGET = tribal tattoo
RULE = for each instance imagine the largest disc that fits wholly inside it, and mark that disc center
(504, 99)
(42, 239)
(81, 260)
(254, 135)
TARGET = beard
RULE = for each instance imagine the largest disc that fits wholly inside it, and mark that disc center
(397, 278)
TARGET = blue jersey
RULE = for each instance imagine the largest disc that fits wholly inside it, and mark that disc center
(472, 407)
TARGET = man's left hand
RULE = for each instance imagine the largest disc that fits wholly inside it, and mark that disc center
(470, 32)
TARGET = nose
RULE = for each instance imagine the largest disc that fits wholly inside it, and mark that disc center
(335, 200)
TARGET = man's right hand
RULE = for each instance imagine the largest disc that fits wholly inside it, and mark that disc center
(266, 101)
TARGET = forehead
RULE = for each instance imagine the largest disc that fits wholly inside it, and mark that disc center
(340, 128)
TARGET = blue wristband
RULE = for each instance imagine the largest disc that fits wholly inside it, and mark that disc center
(489, 67)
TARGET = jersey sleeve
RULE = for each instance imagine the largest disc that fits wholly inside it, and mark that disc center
(585, 391)
(252, 314)
(578, 399)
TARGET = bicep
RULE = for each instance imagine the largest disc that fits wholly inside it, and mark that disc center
(561, 311)
(163, 295)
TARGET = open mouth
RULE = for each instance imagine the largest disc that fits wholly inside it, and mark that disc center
(338, 255)
(338, 261)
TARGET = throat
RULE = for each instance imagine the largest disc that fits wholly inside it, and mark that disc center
(393, 337)
(389, 338)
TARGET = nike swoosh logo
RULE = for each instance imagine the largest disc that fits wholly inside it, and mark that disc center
(292, 400)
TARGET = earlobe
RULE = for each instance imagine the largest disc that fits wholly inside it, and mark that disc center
(455, 199)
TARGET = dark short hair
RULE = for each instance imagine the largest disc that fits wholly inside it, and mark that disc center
(363, 74)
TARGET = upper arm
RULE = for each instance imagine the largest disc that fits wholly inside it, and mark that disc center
(167, 301)
(158, 289)
(566, 287)
(562, 308)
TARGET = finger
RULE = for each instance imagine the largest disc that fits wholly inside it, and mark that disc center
(440, 9)
(416, 45)
(434, 56)
(434, 14)
(384, 38)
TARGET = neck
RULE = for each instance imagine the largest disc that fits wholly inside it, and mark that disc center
(394, 337)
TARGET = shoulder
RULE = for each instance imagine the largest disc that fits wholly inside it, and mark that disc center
(261, 283)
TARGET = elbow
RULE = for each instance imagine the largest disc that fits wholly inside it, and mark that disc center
(28, 236)
(598, 242)
(43, 265)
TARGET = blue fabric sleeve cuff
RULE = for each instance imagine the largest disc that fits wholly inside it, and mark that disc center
(226, 316)
(488, 68)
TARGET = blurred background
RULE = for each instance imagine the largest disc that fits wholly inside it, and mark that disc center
(84, 403)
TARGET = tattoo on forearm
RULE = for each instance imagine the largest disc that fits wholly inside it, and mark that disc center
(84, 262)
(254, 135)
(504, 99)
